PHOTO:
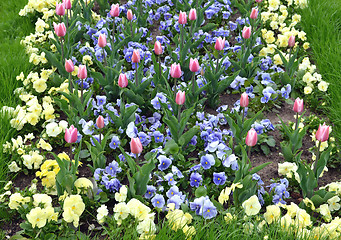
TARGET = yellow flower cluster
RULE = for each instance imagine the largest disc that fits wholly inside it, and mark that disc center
(102, 212)
(83, 185)
(73, 208)
(32, 159)
(288, 169)
(251, 206)
(16, 200)
(225, 193)
(47, 173)
(37, 5)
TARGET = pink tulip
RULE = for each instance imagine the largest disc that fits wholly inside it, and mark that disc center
(322, 134)
(246, 32)
(157, 48)
(59, 29)
(298, 105)
(244, 100)
(60, 9)
(71, 134)
(175, 71)
(136, 56)
(100, 122)
(135, 146)
(182, 18)
(115, 10)
(129, 15)
(259, 1)
(192, 14)
(102, 40)
(122, 80)
(219, 44)
(180, 98)
(291, 42)
(254, 13)
(69, 67)
(82, 73)
(251, 138)
(193, 65)
(67, 4)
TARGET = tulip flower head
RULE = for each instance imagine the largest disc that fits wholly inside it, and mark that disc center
(69, 67)
(136, 56)
(180, 98)
(259, 1)
(175, 71)
(192, 14)
(60, 9)
(244, 100)
(82, 72)
(71, 134)
(219, 44)
(291, 42)
(158, 48)
(193, 65)
(254, 13)
(246, 34)
(59, 29)
(122, 80)
(130, 15)
(182, 18)
(136, 145)
(251, 138)
(322, 134)
(67, 4)
(100, 122)
(102, 40)
(115, 10)
(298, 105)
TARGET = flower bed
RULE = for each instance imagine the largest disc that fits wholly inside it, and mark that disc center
(125, 125)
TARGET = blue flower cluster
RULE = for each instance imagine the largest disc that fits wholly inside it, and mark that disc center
(204, 207)
(280, 191)
(107, 176)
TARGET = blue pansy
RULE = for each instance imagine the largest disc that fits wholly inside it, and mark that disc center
(165, 162)
(158, 201)
(219, 178)
(207, 161)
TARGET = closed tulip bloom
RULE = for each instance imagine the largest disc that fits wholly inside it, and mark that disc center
(192, 14)
(59, 29)
(219, 43)
(244, 100)
(180, 98)
(115, 10)
(130, 15)
(71, 134)
(102, 40)
(157, 48)
(322, 134)
(182, 18)
(136, 56)
(135, 145)
(291, 42)
(122, 80)
(254, 13)
(258, 1)
(251, 138)
(82, 72)
(60, 9)
(193, 65)
(246, 32)
(298, 105)
(100, 122)
(69, 67)
(175, 70)
(67, 4)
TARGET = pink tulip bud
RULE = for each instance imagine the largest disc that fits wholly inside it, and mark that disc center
(60, 9)
(254, 13)
(100, 122)
(251, 138)
(71, 134)
(322, 134)
(193, 65)
(246, 32)
(180, 98)
(157, 48)
(219, 44)
(259, 1)
(182, 18)
(291, 42)
(82, 73)
(59, 29)
(192, 14)
(69, 67)
(298, 105)
(122, 80)
(67, 4)
(130, 15)
(135, 145)
(115, 10)
(136, 56)
(244, 100)
(102, 40)
(175, 71)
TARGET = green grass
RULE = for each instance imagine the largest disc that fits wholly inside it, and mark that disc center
(322, 23)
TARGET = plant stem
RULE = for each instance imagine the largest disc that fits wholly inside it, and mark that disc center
(191, 32)
(100, 135)
(179, 113)
(193, 86)
(182, 37)
(113, 32)
(243, 116)
(249, 153)
(317, 158)
(67, 20)
(70, 153)
(216, 67)
(131, 28)
(296, 126)
(175, 80)
(82, 90)
(136, 80)
(104, 57)
(159, 69)
(62, 48)
(70, 83)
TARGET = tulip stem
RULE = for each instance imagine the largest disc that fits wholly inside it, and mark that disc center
(100, 134)
(179, 113)
(131, 28)
(136, 80)
(70, 153)
(70, 83)
(249, 153)
(191, 32)
(159, 58)
(182, 36)
(104, 57)
(113, 32)
(317, 158)
(243, 116)
(296, 126)
(175, 87)
(193, 84)
(82, 90)
(216, 68)
(67, 20)
(62, 48)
